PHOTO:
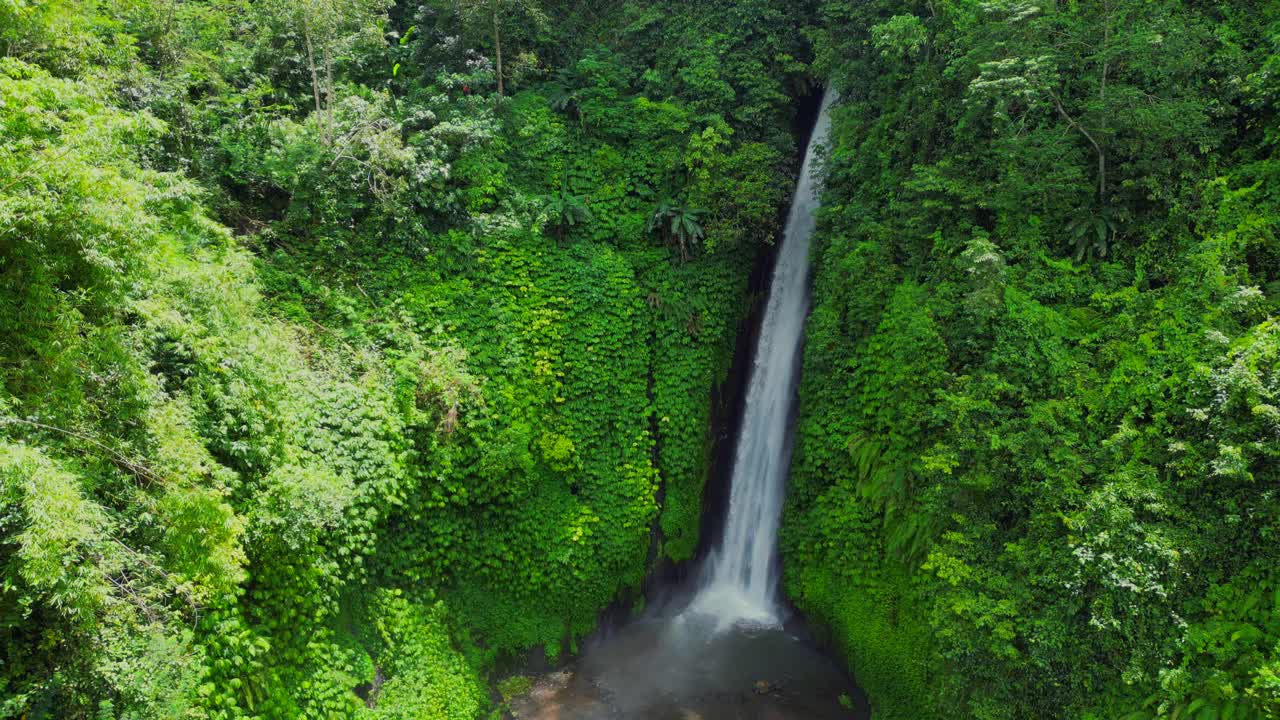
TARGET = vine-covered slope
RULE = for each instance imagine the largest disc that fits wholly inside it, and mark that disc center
(1039, 444)
(340, 361)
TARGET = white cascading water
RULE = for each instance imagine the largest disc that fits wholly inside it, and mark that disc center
(739, 582)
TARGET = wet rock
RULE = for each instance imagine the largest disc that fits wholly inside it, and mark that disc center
(555, 696)
(368, 692)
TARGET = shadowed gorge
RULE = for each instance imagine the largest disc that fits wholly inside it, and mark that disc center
(483, 359)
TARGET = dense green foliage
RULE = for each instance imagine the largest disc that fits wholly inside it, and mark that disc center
(331, 363)
(1039, 443)
(351, 348)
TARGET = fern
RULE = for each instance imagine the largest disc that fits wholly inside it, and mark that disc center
(888, 486)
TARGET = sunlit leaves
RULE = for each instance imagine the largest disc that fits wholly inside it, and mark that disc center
(61, 538)
(456, 403)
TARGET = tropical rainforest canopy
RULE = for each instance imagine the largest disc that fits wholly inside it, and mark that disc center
(349, 349)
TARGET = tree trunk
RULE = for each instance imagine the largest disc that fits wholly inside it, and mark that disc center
(311, 61)
(328, 91)
(1102, 97)
(497, 46)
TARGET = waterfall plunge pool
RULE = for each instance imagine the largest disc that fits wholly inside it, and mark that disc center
(689, 666)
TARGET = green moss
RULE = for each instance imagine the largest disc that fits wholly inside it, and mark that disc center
(878, 632)
(426, 673)
(514, 685)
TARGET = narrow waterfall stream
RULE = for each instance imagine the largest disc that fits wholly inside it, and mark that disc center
(739, 583)
(727, 651)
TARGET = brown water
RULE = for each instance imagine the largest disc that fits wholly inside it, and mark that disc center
(689, 667)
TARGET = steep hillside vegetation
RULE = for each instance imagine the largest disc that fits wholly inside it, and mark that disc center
(1039, 447)
(344, 352)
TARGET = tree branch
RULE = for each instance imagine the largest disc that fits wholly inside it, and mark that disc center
(1102, 156)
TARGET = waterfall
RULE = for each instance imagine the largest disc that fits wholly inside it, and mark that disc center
(738, 583)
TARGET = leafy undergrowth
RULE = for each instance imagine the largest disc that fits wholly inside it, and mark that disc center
(331, 389)
(1041, 370)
